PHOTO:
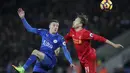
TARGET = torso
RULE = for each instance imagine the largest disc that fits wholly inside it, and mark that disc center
(50, 42)
(83, 46)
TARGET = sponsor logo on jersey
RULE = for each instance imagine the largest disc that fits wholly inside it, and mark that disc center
(46, 43)
(64, 43)
(77, 41)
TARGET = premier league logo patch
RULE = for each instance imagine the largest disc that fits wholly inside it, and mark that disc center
(64, 43)
(91, 34)
(54, 41)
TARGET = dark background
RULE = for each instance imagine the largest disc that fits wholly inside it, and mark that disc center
(16, 44)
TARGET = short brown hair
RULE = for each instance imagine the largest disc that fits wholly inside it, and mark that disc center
(54, 21)
(84, 19)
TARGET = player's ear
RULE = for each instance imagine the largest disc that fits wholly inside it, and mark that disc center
(49, 26)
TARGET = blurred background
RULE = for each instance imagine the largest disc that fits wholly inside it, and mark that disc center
(16, 44)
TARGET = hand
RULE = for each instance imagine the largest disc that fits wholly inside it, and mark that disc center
(21, 13)
(73, 66)
(57, 51)
(118, 46)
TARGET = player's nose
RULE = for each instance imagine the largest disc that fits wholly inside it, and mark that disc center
(56, 27)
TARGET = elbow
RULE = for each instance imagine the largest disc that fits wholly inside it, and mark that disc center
(30, 30)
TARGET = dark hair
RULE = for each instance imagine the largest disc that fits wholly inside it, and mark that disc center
(84, 19)
(54, 21)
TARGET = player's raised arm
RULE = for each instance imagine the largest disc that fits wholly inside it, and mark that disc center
(21, 14)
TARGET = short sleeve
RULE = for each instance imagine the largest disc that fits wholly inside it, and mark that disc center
(89, 35)
(62, 42)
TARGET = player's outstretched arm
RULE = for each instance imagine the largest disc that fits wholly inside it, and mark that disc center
(21, 14)
(66, 53)
(100, 39)
(114, 45)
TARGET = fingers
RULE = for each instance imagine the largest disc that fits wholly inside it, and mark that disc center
(20, 10)
(72, 65)
(121, 46)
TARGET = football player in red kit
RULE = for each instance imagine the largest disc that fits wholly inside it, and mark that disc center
(81, 38)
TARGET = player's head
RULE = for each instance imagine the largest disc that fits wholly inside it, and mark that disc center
(80, 21)
(54, 25)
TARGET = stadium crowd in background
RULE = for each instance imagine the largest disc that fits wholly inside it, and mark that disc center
(16, 44)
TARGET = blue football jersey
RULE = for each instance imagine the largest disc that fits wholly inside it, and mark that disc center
(50, 42)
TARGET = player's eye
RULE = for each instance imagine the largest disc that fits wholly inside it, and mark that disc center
(54, 25)
(57, 25)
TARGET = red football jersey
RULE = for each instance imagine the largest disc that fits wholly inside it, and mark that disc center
(81, 41)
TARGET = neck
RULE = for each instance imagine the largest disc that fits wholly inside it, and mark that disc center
(78, 29)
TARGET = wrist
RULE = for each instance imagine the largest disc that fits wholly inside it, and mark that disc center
(71, 63)
(22, 17)
(113, 45)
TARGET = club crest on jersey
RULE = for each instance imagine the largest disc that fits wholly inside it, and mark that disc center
(64, 43)
(91, 34)
(54, 41)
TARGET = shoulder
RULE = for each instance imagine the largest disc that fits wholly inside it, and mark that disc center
(62, 41)
(60, 36)
(86, 31)
(72, 29)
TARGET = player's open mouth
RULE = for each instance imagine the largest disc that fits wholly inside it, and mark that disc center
(55, 30)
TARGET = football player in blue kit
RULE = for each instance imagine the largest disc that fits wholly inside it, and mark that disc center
(45, 57)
